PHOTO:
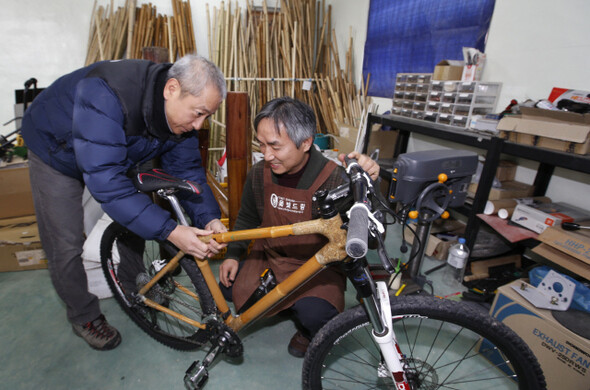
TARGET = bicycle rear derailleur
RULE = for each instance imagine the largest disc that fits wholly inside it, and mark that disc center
(223, 340)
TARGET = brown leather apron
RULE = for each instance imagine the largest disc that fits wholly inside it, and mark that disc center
(283, 206)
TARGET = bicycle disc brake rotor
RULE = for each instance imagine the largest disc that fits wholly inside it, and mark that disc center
(421, 375)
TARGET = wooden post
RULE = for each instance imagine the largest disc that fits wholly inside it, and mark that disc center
(238, 145)
(204, 145)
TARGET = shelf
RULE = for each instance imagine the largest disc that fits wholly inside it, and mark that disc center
(574, 162)
(493, 146)
(446, 132)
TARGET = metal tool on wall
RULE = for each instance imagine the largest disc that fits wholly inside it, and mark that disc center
(7, 146)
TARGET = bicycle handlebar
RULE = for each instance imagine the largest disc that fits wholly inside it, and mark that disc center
(357, 237)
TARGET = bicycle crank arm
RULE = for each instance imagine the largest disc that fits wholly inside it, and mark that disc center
(387, 342)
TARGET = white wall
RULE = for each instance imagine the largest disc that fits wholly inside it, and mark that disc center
(41, 39)
(47, 39)
(533, 45)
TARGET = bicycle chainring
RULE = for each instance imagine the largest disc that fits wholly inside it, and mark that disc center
(223, 335)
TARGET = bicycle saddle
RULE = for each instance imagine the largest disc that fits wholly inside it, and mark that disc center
(156, 179)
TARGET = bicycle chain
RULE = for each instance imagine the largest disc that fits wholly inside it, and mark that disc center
(217, 331)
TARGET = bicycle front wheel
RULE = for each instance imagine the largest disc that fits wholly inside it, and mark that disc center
(129, 262)
(445, 345)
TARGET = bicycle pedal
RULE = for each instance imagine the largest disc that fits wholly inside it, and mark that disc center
(196, 376)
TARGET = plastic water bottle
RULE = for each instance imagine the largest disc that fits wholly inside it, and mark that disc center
(456, 261)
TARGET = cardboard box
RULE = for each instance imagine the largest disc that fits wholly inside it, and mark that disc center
(543, 215)
(510, 189)
(16, 198)
(563, 355)
(443, 234)
(506, 170)
(448, 70)
(346, 139)
(563, 260)
(578, 96)
(557, 130)
(385, 140)
(575, 243)
(20, 246)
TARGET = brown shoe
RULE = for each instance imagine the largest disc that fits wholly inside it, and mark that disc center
(298, 345)
(98, 334)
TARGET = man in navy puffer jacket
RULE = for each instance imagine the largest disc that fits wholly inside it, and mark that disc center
(91, 127)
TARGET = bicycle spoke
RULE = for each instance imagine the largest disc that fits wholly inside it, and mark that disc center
(180, 291)
(437, 353)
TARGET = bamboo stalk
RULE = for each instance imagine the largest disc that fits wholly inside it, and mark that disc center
(209, 41)
(189, 26)
(170, 40)
(130, 26)
(99, 36)
(294, 59)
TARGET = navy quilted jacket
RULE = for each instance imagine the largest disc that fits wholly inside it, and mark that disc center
(98, 122)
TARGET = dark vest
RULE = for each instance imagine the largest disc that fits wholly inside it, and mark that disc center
(128, 80)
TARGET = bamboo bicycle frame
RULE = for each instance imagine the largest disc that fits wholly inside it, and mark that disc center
(333, 251)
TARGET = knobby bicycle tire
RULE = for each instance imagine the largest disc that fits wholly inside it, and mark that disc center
(128, 262)
(446, 345)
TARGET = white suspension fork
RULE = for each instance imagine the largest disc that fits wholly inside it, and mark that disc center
(388, 342)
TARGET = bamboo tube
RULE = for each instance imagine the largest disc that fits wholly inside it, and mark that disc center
(209, 41)
(294, 59)
(91, 29)
(177, 29)
(170, 40)
(99, 36)
(130, 26)
(121, 46)
(189, 25)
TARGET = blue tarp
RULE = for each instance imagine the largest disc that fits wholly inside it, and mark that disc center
(412, 36)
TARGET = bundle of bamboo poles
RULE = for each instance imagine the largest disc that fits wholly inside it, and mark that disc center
(287, 50)
(108, 33)
(124, 33)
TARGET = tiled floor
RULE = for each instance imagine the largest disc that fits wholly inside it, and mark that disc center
(39, 351)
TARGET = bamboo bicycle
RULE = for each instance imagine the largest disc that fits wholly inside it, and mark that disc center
(386, 342)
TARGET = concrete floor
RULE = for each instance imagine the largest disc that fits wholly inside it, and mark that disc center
(39, 350)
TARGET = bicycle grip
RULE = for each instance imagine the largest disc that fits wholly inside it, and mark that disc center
(358, 232)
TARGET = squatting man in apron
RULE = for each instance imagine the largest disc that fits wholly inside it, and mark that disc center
(278, 191)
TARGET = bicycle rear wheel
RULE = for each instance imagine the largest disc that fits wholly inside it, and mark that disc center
(139, 262)
(446, 345)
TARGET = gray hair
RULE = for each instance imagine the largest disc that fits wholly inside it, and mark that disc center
(194, 72)
(297, 117)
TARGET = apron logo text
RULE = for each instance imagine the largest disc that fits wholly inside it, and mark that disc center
(286, 204)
